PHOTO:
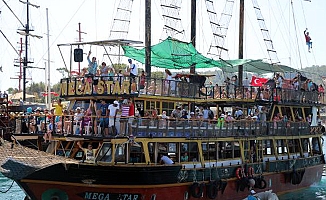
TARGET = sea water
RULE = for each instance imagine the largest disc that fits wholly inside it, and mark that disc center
(317, 191)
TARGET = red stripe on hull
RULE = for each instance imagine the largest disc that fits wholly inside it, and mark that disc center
(276, 182)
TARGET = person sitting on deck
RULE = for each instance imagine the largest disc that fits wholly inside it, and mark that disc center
(48, 134)
(166, 160)
(251, 195)
(184, 157)
(220, 121)
(89, 152)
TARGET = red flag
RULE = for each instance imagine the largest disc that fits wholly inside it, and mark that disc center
(255, 81)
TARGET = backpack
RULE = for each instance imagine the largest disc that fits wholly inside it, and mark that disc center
(210, 114)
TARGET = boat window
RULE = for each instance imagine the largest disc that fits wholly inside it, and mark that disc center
(305, 145)
(294, 146)
(281, 147)
(120, 154)
(268, 147)
(250, 150)
(230, 150)
(286, 111)
(298, 114)
(315, 145)
(209, 150)
(169, 149)
(192, 151)
(105, 153)
(152, 105)
(168, 107)
(137, 154)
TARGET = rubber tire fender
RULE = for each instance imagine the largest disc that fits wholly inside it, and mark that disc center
(262, 183)
(196, 189)
(211, 190)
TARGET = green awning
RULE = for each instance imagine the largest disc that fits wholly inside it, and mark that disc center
(175, 54)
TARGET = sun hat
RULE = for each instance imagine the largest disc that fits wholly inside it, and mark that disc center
(125, 101)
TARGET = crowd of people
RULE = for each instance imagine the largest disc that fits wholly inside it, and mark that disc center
(99, 119)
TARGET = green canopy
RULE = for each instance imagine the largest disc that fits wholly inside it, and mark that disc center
(261, 67)
(175, 54)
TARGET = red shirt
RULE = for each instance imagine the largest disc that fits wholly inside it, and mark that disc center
(132, 109)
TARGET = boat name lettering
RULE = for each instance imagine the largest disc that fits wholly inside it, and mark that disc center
(110, 196)
(103, 87)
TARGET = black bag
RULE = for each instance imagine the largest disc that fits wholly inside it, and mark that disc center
(210, 114)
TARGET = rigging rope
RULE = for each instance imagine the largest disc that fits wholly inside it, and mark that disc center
(12, 183)
(296, 33)
(304, 15)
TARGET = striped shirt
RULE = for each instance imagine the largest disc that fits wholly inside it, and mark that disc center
(125, 111)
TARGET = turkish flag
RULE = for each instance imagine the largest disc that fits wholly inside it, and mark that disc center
(255, 81)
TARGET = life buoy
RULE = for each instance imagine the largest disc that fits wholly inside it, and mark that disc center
(251, 172)
(196, 189)
(261, 183)
(240, 173)
(296, 177)
(211, 190)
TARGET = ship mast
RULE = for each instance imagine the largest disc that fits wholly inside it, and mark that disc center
(148, 37)
(193, 30)
(241, 29)
(27, 33)
(26, 52)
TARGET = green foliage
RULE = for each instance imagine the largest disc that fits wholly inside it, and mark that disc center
(315, 73)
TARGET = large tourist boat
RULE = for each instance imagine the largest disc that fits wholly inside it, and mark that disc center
(212, 158)
(184, 140)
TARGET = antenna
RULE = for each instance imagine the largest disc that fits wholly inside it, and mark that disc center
(79, 40)
(27, 33)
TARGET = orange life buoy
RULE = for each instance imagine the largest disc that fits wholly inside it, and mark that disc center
(251, 172)
(240, 173)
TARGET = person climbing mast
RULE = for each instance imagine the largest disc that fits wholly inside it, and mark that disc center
(308, 39)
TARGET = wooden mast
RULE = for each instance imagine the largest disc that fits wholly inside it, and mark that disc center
(148, 37)
(26, 52)
(241, 30)
(193, 31)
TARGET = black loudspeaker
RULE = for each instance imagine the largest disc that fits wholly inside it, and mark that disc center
(78, 55)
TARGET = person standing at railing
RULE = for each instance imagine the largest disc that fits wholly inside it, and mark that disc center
(142, 81)
(119, 77)
(125, 107)
(104, 71)
(131, 115)
(113, 111)
(104, 120)
(169, 85)
(58, 107)
(309, 119)
(132, 69)
(262, 118)
(321, 93)
(220, 121)
(92, 65)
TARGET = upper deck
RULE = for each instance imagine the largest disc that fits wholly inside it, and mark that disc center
(100, 87)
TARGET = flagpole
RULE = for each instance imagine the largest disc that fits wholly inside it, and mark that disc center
(48, 38)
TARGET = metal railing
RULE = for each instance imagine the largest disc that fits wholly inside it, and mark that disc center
(149, 127)
(115, 85)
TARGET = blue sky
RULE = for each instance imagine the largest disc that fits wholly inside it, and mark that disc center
(96, 17)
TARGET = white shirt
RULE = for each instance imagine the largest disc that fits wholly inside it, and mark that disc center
(113, 110)
(133, 69)
(166, 160)
(78, 116)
